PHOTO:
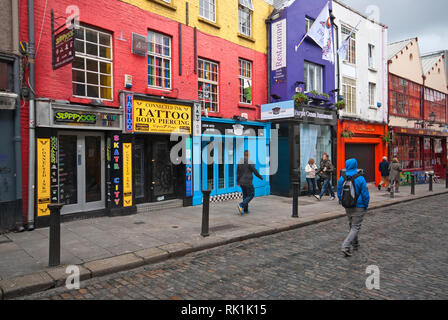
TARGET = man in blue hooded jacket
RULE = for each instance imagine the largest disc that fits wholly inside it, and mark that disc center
(354, 215)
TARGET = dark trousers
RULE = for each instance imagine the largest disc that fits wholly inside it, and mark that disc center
(311, 186)
(248, 195)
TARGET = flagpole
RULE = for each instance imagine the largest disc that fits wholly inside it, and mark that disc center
(297, 46)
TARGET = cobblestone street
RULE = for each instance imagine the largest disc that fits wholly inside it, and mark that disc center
(406, 241)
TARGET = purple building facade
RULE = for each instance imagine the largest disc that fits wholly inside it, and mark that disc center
(305, 130)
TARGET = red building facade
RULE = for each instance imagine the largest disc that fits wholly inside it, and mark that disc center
(178, 55)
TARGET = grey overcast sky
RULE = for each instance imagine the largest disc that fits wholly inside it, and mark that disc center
(406, 19)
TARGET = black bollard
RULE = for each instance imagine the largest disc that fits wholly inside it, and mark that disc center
(413, 184)
(392, 190)
(431, 175)
(205, 212)
(55, 235)
(295, 199)
(446, 178)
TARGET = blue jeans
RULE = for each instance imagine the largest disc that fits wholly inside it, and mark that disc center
(311, 186)
(327, 185)
(248, 195)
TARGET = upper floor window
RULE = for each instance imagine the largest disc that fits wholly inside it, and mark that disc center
(405, 97)
(245, 10)
(207, 9)
(349, 93)
(372, 94)
(435, 102)
(308, 23)
(159, 60)
(6, 76)
(208, 84)
(92, 66)
(351, 49)
(313, 77)
(371, 55)
(245, 80)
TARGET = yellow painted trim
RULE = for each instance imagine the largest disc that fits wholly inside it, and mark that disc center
(209, 22)
(243, 36)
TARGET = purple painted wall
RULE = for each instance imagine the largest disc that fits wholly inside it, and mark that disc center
(295, 16)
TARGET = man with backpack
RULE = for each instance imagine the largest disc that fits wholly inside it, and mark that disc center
(354, 196)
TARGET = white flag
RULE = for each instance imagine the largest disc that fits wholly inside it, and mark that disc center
(344, 46)
(319, 30)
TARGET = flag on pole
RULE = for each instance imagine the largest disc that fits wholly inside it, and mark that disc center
(342, 52)
(321, 32)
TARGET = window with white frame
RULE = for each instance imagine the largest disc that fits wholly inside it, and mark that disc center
(313, 77)
(245, 80)
(349, 93)
(208, 82)
(92, 66)
(245, 10)
(351, 48)
(308, 23)
(159, 60)
(372, 94)
(207, 9)
(371, 55)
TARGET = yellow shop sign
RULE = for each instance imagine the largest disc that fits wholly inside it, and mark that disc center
(158, 117)
(43, 177)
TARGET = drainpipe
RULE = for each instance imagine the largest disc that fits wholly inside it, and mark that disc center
(32, 137)
(268, 57)
(17, 138)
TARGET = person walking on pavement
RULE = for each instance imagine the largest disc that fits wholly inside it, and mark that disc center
(384, 170)
(310, 171)
(354, 196)
(325, 171)
(394, 175)
(244, 179)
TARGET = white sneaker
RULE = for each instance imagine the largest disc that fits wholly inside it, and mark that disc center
(332, 198)
(317, 197)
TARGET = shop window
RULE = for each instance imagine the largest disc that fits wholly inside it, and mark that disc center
(313, 77)
(245, 10)
(372, 94)
(208, 75)
(245, 81)
(92, 66)
(351, 48)
(349, 93)
(207, 9)
(408, 151)
(159, 60)
(315, 140)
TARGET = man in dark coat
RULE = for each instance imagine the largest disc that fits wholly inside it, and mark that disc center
(384, 170)
(325, 171)
(244, 179)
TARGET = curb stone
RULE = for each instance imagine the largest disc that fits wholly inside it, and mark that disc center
(110, 265)
(50, 278)
(59, 276)
(31, 283)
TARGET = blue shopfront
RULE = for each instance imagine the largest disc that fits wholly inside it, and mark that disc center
(216, 153)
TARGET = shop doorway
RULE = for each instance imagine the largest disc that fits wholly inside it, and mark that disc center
(365, 155)
(81, 171)
(156, 178)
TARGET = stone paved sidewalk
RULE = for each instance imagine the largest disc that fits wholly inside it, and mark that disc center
(169, 231)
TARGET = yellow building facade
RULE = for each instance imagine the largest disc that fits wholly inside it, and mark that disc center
(225, 25)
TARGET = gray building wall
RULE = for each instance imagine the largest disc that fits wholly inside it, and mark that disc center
(5, 26)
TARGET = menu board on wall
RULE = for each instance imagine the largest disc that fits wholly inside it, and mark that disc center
(68, 182)
(43, 177)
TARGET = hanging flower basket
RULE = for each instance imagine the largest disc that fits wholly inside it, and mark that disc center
(300, 99)
(387, 138)
(347, 134)
(340, 105)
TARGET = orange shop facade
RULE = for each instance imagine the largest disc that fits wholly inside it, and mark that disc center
(366, 143)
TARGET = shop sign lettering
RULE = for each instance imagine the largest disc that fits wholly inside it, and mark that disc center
(74, 117)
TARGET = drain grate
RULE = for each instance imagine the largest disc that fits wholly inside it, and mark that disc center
(139, 222)
(222, 228)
